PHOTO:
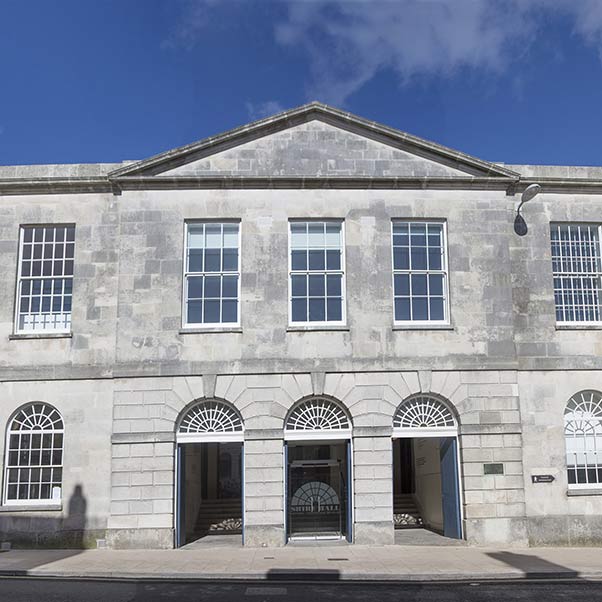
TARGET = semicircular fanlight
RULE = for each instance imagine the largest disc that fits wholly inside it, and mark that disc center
(211, 417)
(423, 411)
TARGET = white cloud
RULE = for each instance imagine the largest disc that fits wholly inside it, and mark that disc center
(349, 42)
(263, 109)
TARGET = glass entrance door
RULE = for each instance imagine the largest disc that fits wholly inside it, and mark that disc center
(316, 499)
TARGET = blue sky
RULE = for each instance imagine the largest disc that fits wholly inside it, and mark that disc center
(518, 81)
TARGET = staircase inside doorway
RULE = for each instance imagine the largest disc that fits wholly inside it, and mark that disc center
(219, 517)
(405, 512)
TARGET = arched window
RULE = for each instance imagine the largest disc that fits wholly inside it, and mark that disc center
(34, 455)
(211, 421)
(424, 415)
(583, 436)
(317, 417)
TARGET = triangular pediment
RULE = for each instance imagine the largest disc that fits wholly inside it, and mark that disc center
(314, 141)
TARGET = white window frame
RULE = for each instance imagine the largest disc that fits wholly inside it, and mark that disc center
(20, 278)
(211, 326)
(8, 432)
(581, 323)
(326, 323)
(574, 467)
(445, 271)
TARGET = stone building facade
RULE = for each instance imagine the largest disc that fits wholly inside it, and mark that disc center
(129, 358)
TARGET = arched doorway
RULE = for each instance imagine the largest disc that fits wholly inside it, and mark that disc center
(318, 477)
(209, 474)
(426, 476)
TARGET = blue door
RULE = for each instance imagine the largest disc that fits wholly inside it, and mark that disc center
(286, 493)
(450, 488)
(242, 488)
(181, 497)
(349, 495)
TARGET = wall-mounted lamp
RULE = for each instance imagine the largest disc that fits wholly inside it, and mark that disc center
(531, 191)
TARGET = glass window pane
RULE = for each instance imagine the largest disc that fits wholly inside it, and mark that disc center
(401, 228)
(230, 286)
(195, 288)
(211, 311)
(213, 260)
(317, 260)
(334, 309)
(229, 309)
(196, 236)
(212, 286)
(195, 312)
(333, 260)
(298, 285)
(434, 258)
(401, 258)
(230, 260)
(436, 284)
(317, 310)
(316, 236)
(298, 235)
(333, 284)
(418, 284)
(402, 284)
(333, 234)
(402, 309)
(299, 310)
(316, 286)
(418, 260)
(299, 260)
(419, 308)
(213, 236)
(436, 308)
(231, 236)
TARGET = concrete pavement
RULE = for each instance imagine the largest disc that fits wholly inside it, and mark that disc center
(332, 563)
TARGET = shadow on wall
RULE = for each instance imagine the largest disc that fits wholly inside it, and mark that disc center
(38, 530)
(520, 225)
(534, 567)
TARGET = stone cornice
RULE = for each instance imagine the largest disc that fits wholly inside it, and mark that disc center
(334, 183)
(16, 186)
(103, 184)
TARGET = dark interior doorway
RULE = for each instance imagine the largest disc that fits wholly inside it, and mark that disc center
(426, 490)
(210, 483)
